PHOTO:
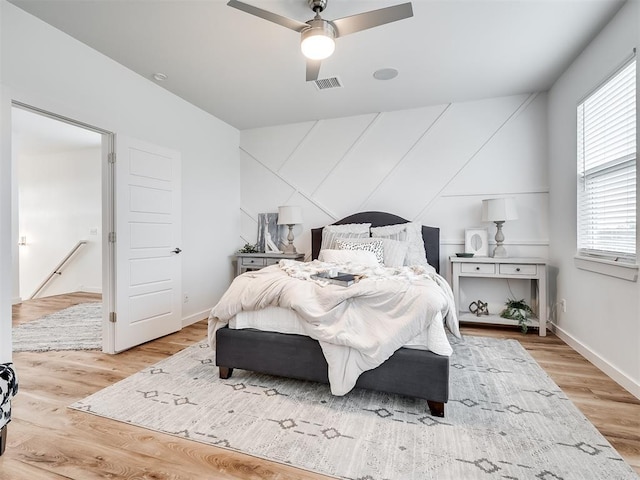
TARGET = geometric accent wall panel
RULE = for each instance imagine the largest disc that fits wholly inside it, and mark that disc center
(450, 144)
(516, 157)
(261, 187)
(322, 149)
(273, 145)
(433, 165)
(374, 156)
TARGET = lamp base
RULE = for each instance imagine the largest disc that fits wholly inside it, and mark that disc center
(289, 248)
(499, 251)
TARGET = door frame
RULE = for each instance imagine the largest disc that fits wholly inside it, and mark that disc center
(108, 218)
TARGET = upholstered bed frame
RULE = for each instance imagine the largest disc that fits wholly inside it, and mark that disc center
(415, 373)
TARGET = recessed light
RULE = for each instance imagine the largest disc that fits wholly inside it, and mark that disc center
(160, 77)
(385, 74)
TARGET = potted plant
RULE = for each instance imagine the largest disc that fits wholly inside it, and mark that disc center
(517, 310)
(248, 248)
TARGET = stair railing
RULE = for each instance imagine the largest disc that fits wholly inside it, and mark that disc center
(58, 269)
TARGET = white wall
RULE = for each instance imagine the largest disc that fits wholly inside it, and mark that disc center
(43, 67)
(433, 165)
(60, 204)
(602, 320)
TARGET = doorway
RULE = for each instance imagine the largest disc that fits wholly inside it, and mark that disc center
(141, 295)
(58, 214)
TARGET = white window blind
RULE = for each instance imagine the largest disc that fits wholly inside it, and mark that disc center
(607, 169)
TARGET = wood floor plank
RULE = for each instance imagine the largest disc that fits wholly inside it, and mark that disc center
(47, 440)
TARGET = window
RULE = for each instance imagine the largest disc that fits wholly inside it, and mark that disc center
(607, 169)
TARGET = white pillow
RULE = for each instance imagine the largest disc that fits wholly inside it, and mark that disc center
(358, 257)
(411, 232)
(350, 230)
(394, 251)
(374, 246)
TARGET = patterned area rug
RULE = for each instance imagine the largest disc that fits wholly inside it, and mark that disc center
(506, 419)
(78, 327)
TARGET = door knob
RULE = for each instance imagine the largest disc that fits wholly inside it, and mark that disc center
(176, 251)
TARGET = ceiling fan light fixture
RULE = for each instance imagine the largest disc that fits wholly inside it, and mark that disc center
(318, 40)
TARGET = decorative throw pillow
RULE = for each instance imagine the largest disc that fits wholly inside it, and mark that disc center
(375, 247)
(411, 232)
(350, 230)
(394, 251)
(358, 257)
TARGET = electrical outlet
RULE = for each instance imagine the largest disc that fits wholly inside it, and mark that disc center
(185, 298)
(563, 305)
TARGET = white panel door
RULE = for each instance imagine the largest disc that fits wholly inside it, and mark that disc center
(147, 243)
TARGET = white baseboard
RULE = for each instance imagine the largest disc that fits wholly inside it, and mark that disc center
(196, 317)
(16, 300)
(616, 375)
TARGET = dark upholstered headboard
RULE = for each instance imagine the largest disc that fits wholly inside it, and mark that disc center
(430, 235)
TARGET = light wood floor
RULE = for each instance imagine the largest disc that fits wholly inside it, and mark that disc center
(46, 440)
(39, 307)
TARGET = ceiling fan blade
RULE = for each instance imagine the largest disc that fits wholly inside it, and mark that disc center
(313, 70)
(270, 16)
(362, 21)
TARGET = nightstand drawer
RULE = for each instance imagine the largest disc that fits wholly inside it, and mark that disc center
(478, 268)
(518, 269)
(253, 262)
(272, 261)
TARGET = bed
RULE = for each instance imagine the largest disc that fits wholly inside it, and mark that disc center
(413, 372)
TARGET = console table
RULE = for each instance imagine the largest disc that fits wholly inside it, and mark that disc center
(533, 269)
(256, 261)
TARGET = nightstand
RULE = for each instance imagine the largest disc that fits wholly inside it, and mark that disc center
(256, 261)
(533, 269)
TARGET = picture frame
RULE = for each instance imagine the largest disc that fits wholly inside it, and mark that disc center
(476, 241)
(268, 224)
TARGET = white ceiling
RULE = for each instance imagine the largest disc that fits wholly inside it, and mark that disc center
(250, 73)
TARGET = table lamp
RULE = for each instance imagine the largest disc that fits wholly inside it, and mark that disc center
(289, 215)
(499, 210)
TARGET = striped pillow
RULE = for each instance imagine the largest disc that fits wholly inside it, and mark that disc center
(410, 232)
(351, 230)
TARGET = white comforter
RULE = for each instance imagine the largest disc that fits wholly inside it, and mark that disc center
(358, 327)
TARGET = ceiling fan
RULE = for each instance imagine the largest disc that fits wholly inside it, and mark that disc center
(318, 35)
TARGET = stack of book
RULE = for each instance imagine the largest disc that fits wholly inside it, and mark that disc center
(339, 278)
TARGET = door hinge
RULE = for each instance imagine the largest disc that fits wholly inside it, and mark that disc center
(112, 317)
(112, 157)
(112, 237)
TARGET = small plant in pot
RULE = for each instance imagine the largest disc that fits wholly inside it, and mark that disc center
(517, 310)
(249, 248)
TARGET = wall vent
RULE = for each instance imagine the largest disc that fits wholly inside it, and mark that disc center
(325, 83)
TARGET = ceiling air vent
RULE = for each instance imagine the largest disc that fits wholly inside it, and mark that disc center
(325, 83)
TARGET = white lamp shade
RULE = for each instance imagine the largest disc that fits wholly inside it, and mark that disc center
(499, 210)
(289, 215)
